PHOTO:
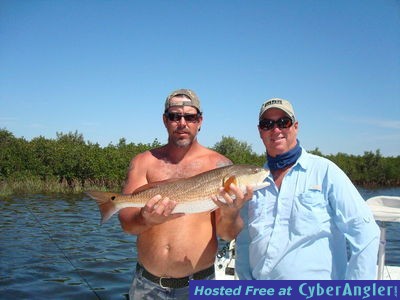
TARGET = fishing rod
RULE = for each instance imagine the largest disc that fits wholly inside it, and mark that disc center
(63, 253)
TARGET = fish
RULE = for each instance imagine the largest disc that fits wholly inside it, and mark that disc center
(192, 194)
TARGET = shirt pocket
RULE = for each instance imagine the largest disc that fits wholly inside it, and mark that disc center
(310, 213)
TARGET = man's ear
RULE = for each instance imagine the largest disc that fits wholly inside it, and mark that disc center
(165, 120)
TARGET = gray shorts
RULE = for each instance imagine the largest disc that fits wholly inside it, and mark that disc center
(142, 288)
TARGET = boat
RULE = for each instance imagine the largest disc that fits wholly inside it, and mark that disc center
(384, 208)
(225, 262)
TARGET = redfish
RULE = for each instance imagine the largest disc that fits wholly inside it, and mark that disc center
(192, 194)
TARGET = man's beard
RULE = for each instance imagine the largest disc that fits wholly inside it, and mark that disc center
(182, 143)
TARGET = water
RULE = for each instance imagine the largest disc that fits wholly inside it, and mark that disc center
(53, 247)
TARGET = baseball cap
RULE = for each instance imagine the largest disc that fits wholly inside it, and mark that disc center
(192, 101)
(281, 104)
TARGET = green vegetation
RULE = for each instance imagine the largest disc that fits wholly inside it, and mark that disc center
(66, 164)
(70, 164)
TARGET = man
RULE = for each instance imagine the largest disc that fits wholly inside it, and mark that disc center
(173, 248)
(297, 227)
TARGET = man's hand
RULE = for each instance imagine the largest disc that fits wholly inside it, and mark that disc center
(159, 210)
(229, 222)
(234, 199)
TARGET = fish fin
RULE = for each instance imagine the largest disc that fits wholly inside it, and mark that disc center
(228, 182)
(155, 184)
(105, 203)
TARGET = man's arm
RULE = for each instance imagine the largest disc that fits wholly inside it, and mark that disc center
(156, 211)
(354, 218)
(228, 220)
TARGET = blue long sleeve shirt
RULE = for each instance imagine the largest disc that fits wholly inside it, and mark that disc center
(299, 232)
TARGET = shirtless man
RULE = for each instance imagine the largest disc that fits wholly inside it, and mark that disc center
(174, 248)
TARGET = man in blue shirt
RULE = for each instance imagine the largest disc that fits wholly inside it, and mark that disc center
(297, 227)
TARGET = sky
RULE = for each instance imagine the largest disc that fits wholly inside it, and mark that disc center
(104, 69)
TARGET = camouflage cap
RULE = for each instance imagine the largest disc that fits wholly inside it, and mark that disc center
(192, 100)
(281, 104)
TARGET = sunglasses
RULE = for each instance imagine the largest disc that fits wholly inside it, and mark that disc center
(175, 117)
(267, 124)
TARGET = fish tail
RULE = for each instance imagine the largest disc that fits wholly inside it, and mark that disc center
(105, 203)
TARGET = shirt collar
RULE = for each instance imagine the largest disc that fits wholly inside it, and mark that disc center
(304, 160)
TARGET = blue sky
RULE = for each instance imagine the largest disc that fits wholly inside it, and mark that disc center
(104, 68)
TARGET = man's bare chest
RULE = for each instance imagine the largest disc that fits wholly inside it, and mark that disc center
(164, 171)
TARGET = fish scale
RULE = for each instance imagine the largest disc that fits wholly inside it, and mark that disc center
(192, 194)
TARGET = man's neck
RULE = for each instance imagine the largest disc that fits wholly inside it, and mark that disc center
(176, 154)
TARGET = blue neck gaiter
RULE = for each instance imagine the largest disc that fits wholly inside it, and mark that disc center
(286, 159)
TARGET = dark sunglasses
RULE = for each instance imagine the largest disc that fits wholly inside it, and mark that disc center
(267, 124)
(175, 117)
